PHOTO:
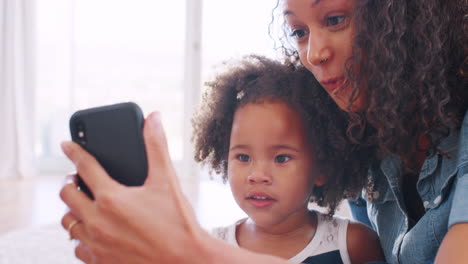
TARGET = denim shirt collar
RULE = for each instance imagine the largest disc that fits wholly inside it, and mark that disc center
(391, 168)
(451, 142)
(391, 165)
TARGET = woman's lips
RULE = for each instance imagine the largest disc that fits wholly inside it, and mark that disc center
(332, 85)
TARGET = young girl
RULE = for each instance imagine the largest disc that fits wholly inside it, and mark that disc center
(278, 139)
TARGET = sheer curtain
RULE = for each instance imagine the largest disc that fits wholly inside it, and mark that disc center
(16, 88)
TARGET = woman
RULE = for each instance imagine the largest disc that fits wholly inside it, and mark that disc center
(403, 84)
(399, 69)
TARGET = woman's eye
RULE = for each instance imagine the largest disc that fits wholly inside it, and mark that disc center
(282, 158)
(297, 33)
(334, 20)
(243, 158)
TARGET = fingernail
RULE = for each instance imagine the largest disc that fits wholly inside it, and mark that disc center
(156, 116)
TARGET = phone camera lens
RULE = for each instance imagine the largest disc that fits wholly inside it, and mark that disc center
(81, 132)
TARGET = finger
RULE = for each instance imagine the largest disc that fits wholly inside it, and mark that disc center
(78, 202)
(160, 170)
(83, 253)
(76, 230)
(67, 219)
(161, 173)
(90, 171)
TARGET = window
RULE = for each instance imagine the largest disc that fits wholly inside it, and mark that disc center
(232, 29)
(92, 53)
(235, 28)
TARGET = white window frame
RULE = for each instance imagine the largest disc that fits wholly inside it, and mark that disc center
(185, 168)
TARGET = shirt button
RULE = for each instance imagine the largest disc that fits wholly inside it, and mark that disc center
(426, 204)
(437, 200)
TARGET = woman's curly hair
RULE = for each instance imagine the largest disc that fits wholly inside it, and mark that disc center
(413, 64)
(257, 79)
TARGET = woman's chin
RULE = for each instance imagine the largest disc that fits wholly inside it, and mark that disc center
(358, 105)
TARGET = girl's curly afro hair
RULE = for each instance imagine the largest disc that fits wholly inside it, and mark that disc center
(256, 79)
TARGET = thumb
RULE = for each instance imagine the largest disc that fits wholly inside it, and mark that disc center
(161, 173)
(160, 169)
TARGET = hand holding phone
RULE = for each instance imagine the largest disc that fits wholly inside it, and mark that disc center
(156, 211)
(113, 134)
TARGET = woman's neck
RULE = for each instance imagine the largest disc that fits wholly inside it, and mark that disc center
(409, 180)
(284, 241)
(413, 162)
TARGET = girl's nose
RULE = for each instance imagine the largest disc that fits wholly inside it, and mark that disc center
(260, 175)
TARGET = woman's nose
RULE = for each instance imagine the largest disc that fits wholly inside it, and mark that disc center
(318, 50)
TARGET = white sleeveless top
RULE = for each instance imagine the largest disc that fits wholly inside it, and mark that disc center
(327, 246)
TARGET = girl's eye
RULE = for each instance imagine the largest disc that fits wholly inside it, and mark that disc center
(335, 20)
(243, 158)
(282, 158)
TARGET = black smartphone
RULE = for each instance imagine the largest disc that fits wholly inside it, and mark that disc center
(113, 134)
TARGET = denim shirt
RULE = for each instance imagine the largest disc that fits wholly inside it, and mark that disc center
(443, 188)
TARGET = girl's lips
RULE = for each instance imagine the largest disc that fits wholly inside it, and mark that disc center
(261, 203)
(260, 200)
(332, 85)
